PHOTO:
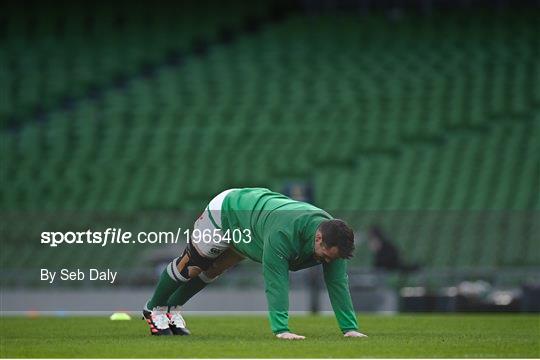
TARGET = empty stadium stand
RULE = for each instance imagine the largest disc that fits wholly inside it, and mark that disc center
(427, 125)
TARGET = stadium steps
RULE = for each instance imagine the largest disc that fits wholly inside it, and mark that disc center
(407, 126)
(98, 47)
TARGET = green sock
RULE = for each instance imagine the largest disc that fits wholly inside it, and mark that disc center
(186, 291)
(166, 286)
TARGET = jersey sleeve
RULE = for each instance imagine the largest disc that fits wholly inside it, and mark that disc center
(337, 283)
(276, 280)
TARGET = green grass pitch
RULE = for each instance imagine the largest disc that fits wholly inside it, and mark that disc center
(413, 336)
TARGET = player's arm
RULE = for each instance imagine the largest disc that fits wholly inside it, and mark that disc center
(276, 281)
(337, 283)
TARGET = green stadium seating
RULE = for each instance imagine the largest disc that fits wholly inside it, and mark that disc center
(440, 137)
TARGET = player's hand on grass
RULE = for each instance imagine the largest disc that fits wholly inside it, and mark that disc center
(353, 333)
(290, 336)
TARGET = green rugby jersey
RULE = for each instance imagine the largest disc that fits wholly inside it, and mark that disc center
(283, 239)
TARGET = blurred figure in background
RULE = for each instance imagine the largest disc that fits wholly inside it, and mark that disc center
(386, 254)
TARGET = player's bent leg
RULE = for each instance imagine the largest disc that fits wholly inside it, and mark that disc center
(177, 323)
(201, 257)
(175, 276)
(182, 277)
(224, 262)
(191, 263)
(192, 287)
(177, 272)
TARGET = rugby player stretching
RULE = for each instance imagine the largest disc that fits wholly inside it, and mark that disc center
(280, 233)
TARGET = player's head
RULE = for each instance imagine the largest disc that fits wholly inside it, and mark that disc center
(334, 239)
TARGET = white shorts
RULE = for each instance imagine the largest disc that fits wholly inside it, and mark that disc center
(207, 236)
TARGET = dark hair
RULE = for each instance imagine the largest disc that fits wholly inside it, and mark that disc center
(337, 233)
